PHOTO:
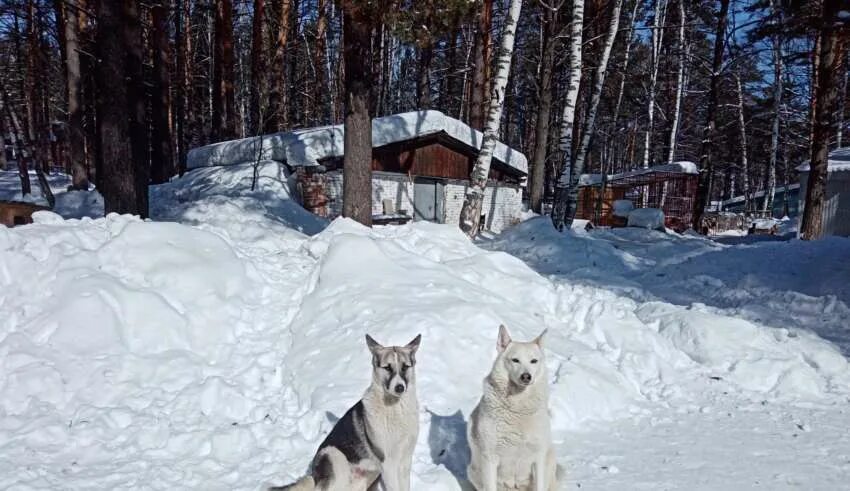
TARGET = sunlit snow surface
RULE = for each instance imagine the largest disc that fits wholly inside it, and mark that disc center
(214, 353)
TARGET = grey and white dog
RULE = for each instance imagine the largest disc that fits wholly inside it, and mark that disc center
(373, 442)
(509, 431)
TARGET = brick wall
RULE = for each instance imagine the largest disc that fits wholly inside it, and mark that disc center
(501, 208)
(396, 187)
(502, 203)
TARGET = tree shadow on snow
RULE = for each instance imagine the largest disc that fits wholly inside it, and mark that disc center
(449, 446)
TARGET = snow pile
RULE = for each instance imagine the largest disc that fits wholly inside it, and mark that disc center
(223, 197)
(622, 208)
(838, 160)
(79, 204)
(651, 218)
(308, 147)
(787, 285)
(161, 355)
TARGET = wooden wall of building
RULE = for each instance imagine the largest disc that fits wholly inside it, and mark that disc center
(434, 156)
(588, 197)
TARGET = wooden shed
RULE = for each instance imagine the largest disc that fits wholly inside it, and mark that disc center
(421, 163)
(14, 213)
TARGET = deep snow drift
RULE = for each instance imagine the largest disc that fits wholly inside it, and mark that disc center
(217, 352)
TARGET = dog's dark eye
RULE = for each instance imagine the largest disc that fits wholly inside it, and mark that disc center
(515, 360)
(534, 361)
(404, 367)
(388, 368)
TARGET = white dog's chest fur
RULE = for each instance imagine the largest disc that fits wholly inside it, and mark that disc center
(395, 428)
(515, 430)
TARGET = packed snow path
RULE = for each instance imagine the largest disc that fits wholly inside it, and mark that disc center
(216, 353)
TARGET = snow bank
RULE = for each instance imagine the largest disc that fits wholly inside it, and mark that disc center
(622, 208)
(309, 146)
(164, 355)
(838, 160)
(651, 218)
(79, 204)
(223, 197)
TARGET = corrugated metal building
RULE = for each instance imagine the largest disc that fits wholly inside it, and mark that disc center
(836, 213)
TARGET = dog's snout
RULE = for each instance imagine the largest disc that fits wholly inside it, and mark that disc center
(399, 388)
(525, 377)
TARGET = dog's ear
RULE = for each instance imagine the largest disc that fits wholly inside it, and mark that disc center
(504, 338)
(373, 345)
(414, 345)
(539, 339)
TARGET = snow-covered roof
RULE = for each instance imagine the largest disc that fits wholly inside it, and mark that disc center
(760, 194)
(839, 160)
(306, 147)
(682, 167)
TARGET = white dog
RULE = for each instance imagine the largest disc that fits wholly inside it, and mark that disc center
(509, 431)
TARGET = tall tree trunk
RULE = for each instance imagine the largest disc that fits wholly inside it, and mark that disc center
(258, 75)
(655, 63)
(767, 205)
(826, 98)
(742, 129)
(611, 164)
(596, 96)
(69, 34)
(162, 154)
(680, 82)
(470, 215)
(121, 109)
(544, 110)
(423, 82)
(183, 113)
(321, 88)
(293, 99)
(481, 66)
(278, 110)
(37, 115)
(18, 135)
(842, 104)
(224, 96)
(706, 171)
(562, 186)
(357, 161)
(448, 99)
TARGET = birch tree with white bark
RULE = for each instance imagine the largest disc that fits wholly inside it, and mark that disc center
(566, 178)
(596, 95)
(770, 190)
(680, 82)
(470, 215)
(655, 61)
(742, 131)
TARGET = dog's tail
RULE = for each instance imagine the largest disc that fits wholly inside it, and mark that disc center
(303, 484)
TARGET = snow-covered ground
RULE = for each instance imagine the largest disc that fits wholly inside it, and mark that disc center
(213, 348)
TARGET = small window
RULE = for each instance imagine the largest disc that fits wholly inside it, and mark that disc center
(19, 220)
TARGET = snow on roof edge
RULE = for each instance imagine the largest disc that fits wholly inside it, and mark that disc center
(306, 147)
(683, 167)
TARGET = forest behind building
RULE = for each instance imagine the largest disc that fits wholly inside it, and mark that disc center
(115, 92)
